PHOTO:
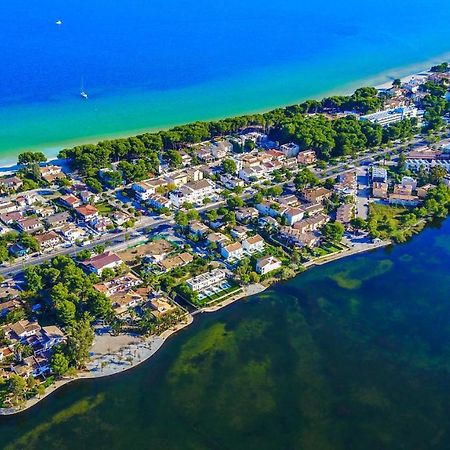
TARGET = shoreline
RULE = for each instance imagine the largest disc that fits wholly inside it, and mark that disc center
(144, 348)
(379, 81)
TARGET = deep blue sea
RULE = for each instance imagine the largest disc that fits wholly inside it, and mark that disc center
(151, 64)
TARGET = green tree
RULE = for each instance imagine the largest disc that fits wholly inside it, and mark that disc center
(80, 337)
(334, 231)
(59, 364)
(229, 166)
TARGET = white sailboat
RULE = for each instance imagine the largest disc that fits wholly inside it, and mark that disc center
(83, 93)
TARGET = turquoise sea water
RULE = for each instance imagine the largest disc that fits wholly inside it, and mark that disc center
(354, 355)
(151, 64)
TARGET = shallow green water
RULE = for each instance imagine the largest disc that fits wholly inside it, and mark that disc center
(353, 355)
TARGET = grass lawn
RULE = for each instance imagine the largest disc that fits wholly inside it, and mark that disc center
(395, 222)
(104, 208)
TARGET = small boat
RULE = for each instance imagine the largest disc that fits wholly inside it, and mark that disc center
(83, 93)
(58, 22)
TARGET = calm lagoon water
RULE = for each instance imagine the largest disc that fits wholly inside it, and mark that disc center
(354, 355)
(151, 64)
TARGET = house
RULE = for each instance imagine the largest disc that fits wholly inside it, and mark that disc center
(161, 306)
(315, 194)
(221, 149)
(232, 251)
(48, 240)
(57, 219)
(11, 217)
(253, 244)
(267, 264)
(8, 306)
(71, 232)
(299, 238)
(288, 201)
(403, 190)
(311, 223)
(21, 330)
(293, 215)
(175, 261)
(218, 239)
(206, 280)
(404, 200)
(379, 189)
(409, 181)
(239, 232)
(101, 224)
(52, 336)
(70, 201)
(307, 157)
(87, 213)
(51, 173)
(178, 179)
(143, 191)
(123, 301)
(198, 229)
(194, 174)
(157, 250)
(121, 283)
(8, 207)
(290, 149)
(379, 174)
(231, 182)
(10, 183)
(193, 192)
(99, 263)
(313, 209)
(422, 191)
(246, 214)
(43, 211)
(120, 218)
(88, 197)
(159, 201)
(253, 174)
(29, 224)
(345, 213)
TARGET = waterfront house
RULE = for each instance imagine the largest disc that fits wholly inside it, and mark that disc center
(422, 191)
(404, 200)
(206, 280)
(267, 264)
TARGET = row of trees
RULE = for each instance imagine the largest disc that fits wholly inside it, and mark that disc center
(139, 154)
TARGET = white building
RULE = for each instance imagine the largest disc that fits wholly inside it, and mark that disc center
(290, 150)
(253, 244)
(232, 251)
(143, 191)
(267, 264)
(389, 116)
(293, 215)
(206, 280)
(194, 192)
